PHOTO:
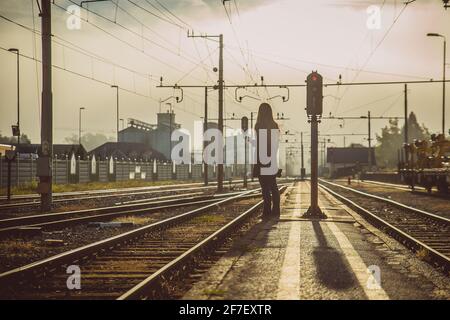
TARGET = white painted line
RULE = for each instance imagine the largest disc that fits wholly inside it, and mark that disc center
(289, 283)
(358, 266)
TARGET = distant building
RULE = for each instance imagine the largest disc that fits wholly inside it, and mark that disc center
(345, 161)
(127, 150)
(157, 137)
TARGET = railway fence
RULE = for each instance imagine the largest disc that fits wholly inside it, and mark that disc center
(76, 170)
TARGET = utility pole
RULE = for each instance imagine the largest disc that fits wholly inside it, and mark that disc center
(220, 87)
(302, 170)
(406, 113)
(220, 166)
(251, 128)
(244, 127)
(170, 128)
(205, 128)
(117, 110)
(79, 126)
(443, 87)
(369, 138)
(44, 169)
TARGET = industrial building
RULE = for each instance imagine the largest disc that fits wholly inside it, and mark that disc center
(156, 136)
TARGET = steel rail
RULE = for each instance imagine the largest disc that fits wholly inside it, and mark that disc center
(113, 192)
(103, 191)
(52, 225)
(89, 196)
(417, 189)
(390, 185)
(397, 204)
(35, 218)
(404, 237)
(7, 206)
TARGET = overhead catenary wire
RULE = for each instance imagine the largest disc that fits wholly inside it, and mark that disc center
(109, 84)
(373, 51)
(134, 33)
(79, 49)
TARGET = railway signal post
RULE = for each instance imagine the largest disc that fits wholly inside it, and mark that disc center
(244, 127)
(10, 156)
(302, 170)
(314, 108)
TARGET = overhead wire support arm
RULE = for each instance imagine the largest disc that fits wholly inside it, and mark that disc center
(240, 98)
(175, 87)
(284, 98)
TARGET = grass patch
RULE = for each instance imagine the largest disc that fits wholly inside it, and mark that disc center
(30, 188)
(214, 292)
(422, 254)
(213, 218)
(133, 219)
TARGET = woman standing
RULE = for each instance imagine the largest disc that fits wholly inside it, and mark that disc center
(267, 178)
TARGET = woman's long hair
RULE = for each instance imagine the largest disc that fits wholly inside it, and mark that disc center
(265, 118)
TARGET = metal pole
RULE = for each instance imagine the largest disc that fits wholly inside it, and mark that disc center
(117, 112)
(47, 107)
(443, 87)
(79, 126)
(170, 131)
(205, 127)
(9, 181)
(314, 210)
(314, 163)
(251, 128)
(18, 99)
(302, 170)
(220, 146)
(370, 141)
(406, 114)
(245, 161)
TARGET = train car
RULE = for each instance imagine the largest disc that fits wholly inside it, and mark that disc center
(427, 163)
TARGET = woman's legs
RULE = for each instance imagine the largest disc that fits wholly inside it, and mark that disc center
(271, 195)
(275, 196)
(266, 190)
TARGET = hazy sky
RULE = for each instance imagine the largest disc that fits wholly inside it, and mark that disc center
(283, 40)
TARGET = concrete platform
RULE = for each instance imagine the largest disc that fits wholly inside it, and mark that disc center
(342, 257)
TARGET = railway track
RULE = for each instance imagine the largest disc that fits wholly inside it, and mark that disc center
(417, 189)
(138, 264)
(57, 195)
(30, 202)
(88, 197)
(50, 221)
(425, 233)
